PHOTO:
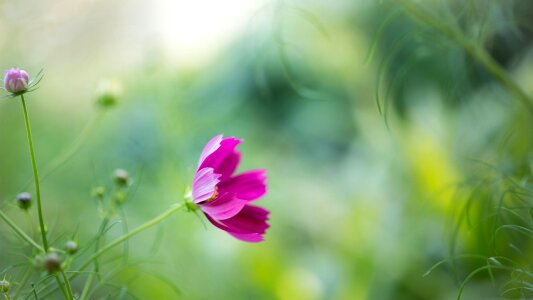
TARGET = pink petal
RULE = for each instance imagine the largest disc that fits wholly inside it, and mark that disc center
(203, 185)
(229, 165)
(222, 159)
(248, 237)
(250, 185)
(209, 148)
(249, 225)
(223, 207)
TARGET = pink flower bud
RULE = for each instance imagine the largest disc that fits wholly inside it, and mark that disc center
(16, 80)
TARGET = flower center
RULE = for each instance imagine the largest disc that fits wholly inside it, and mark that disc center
(215, 194)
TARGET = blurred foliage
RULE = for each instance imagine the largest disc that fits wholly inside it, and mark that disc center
(390, 148)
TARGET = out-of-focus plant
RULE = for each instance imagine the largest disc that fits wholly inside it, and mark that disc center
(492, 235)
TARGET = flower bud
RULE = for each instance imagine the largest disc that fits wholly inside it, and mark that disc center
(5, 286)
(121, 177)
(108, 93)
(71, 247)
(119, 197)
(98, 192)
(16, 80)
(24, 200)
(51, 262)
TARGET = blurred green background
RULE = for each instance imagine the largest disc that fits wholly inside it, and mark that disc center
(388, 146)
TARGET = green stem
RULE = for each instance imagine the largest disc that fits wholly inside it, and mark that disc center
(87, 287)
(130, 234)
(125, 230)
(19, 231)
(61, 285)
(478, 53)
(123, 238)
(89, 282)
(67, 284)
(71, 150)
(23, 283)
(35, 175)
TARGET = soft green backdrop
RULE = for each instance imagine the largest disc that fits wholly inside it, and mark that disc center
(363, 202)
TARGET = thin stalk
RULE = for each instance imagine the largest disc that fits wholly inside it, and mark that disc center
(67, 284)
(61, 285)
(23, 283)
(101, 234)
(72, 149)
(89, 282)
(475, 51)
(130, 234)
(87, 287)
(35, 174)
(69, 152)
(123, 238)
(125, 230)
(19, 231)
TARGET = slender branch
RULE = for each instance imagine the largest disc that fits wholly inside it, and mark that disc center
(92, 275)
(67, 284)
(130, 234)
(72, 149)
(478, 53)
(123, 238)
(19, 231)
(125, 230)
(23, 283)
(87, 287)
(35, 174)
(62, 286)
(68, 153)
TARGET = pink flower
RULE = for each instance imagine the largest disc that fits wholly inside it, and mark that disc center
(224, 197)
(16, 80)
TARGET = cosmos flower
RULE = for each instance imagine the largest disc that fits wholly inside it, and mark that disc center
(16, 80)
(225, 197)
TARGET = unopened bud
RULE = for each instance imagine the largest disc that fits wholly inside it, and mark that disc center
(24, 200)
(16, 80)
(98, 192)
(121, 177)
(5, 286)
(51, 262)
(108, 93)
(120, 197)
(71, 247)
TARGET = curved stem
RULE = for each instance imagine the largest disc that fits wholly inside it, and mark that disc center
(60, 284)
(87, 287)
(35, 175)
(23, 283)
(125, 230)
(19, 231)
(475, 51)
(72, 149)
(67, 284)
(130, 234)
(121, 239)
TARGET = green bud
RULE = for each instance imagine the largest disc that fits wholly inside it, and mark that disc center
(108, 93)
(71, 247)
(120, 197)
(98, 192)
(50, 262)
(121, 177)
(5, 286)
(24, 200)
